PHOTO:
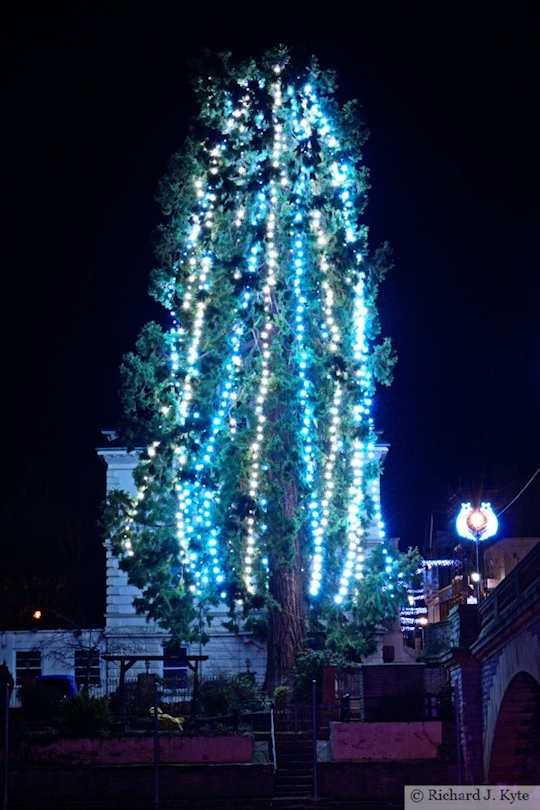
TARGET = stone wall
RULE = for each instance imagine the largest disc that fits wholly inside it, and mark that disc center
(385, 741)
(366, 781)
(134, 786)
(139, 750)
(390, 692)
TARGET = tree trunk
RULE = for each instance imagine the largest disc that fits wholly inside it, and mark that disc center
(287, 624)
(287, 635)
(286, 627)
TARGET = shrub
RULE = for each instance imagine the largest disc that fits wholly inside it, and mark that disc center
(84, 713)
(225, 693)
(282, 696)
(40, 706)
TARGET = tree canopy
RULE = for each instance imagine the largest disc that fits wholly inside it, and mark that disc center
(258, 481)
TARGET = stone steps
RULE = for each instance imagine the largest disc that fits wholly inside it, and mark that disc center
(294, 775)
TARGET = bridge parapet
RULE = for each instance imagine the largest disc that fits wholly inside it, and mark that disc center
(511, 602)
(490, 652)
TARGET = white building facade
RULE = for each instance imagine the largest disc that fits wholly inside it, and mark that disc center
(89, 654)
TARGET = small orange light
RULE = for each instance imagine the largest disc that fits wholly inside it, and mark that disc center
(36, 614)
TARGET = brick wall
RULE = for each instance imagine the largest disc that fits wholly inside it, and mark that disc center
(385, 741)
(392, 692)
(380, 780)
(135, 784)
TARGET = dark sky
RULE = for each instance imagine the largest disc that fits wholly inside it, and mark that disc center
(91, 122)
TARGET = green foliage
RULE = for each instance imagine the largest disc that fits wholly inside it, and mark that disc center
(282, 696)
(309, 667)
(344, 635)
(383, 360)
(79, 714)
(221, 197)
(86, 714)
(145, 388)
(374, 603)
(6, 681)
(40, 706)
(223, 694)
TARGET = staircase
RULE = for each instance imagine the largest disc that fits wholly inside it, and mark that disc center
(294, 774)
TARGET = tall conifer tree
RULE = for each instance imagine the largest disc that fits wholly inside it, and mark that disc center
(259, 482)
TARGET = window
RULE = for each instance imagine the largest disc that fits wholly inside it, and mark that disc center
(175, 670)
(87, 668)
(28, 666)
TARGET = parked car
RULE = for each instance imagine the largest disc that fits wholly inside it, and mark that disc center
(57, 687)
(42, 699)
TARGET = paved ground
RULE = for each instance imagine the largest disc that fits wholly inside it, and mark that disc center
(212, 804)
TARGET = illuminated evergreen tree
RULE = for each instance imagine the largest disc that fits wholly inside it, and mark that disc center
(259, 482)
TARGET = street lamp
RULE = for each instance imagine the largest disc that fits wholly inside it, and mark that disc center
(36, 618)
(423, 621)
(477, 524)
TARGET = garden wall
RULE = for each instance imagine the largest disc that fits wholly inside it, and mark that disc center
(139, 750)
(377, 781)
(135, 786)
(385, 741)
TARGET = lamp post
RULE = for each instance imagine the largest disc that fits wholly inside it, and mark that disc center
(477, 524)
(423, 621)
(476, 578)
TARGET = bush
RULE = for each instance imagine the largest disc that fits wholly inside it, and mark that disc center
(6, 685)
(40, 706)
(137, 698)
(308, 669)
(84, 713)
(225, 693)
(282, 696)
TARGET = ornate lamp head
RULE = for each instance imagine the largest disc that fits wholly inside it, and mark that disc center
(476, 524)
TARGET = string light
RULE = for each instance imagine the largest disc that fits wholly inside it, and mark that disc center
(291, 277)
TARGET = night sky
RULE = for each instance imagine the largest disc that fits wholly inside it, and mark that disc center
(91, 123)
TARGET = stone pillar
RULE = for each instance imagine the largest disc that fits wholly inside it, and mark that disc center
(466, 682)
(329, 683)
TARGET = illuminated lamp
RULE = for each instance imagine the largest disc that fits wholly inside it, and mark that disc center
(477, 524)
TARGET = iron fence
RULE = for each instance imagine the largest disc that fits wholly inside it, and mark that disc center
(298, 717)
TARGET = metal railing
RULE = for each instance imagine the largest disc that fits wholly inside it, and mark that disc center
(273, 738)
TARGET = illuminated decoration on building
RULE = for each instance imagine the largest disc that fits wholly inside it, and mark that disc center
(414, 615)
(272, 349)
